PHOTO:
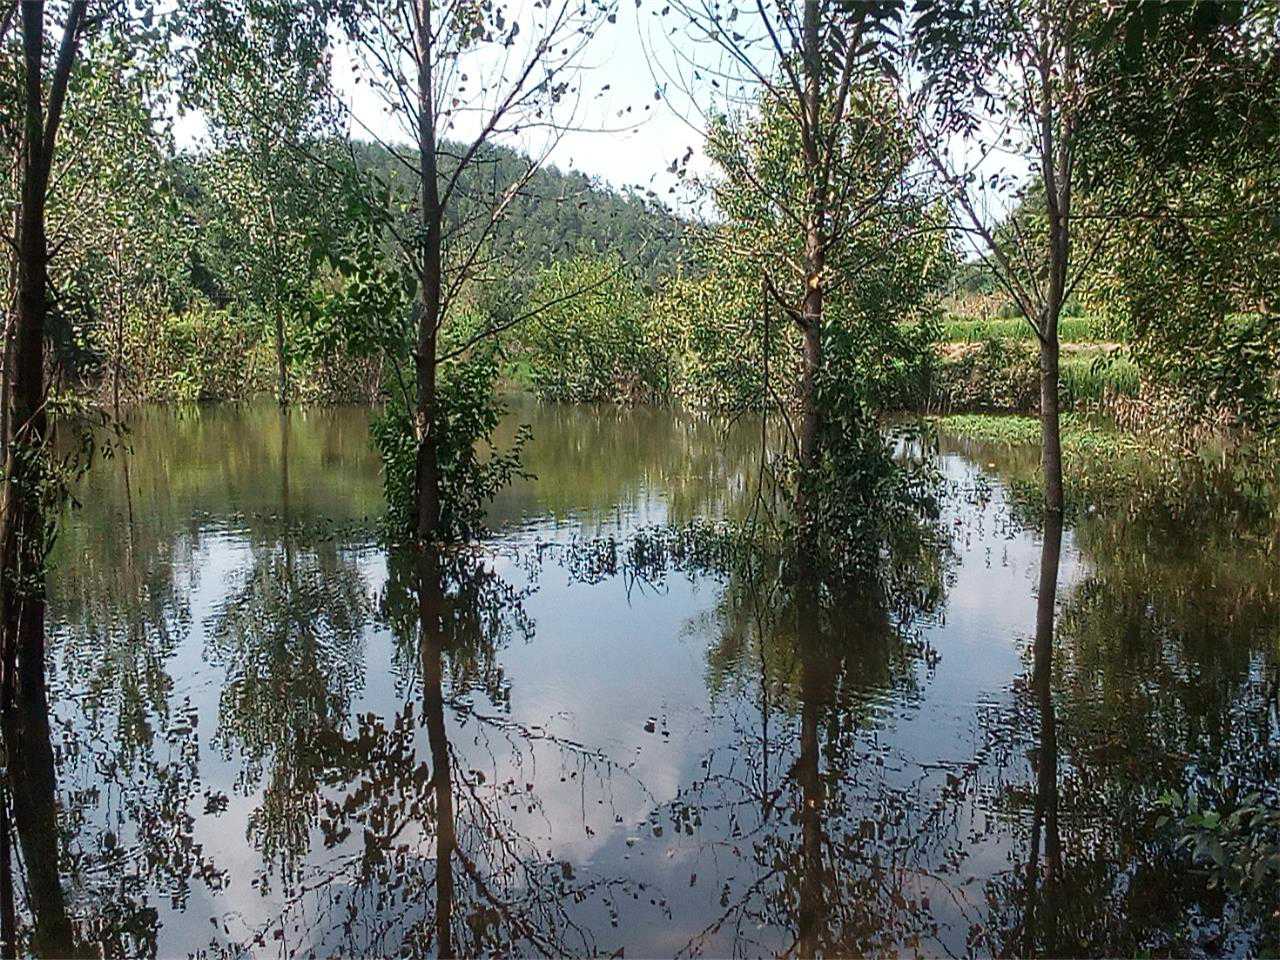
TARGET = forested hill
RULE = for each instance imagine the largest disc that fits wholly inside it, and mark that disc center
(555, 215)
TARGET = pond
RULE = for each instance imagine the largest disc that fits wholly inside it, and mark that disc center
(601, 745)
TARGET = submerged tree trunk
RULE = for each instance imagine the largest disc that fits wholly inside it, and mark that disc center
(1050, 424)
(427, 468)
(22, 525)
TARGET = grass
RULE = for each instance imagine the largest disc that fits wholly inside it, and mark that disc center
(1070, 329)
(1080, 436)
(1085, 378)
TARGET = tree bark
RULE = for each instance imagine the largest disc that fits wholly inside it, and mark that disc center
(427, 469)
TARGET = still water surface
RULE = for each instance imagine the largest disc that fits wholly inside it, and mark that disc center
(259, 749)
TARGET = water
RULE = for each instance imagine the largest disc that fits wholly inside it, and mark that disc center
(257, 748)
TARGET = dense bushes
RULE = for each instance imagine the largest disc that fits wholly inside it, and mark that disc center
(706, 342)
(997, 375)
(204, 353)
(200, 354)
(591, 337)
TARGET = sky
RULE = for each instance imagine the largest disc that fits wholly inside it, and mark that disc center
(638, 112)
(628, 136)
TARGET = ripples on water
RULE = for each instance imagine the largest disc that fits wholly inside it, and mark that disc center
(259, 750)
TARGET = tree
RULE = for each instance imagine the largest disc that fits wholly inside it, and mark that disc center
(1011, 76)
(1187, 159)
(811, 69)
(23, 533)
(124, 238)
(474, 74)
(593, 339)
(752, 333)
(274, 175)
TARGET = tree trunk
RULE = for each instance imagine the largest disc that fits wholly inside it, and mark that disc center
(115, 372)
(1050, 426)
(1056, 146)
(119, 338)
(22, 527)
(427, 471)
(10, 320)
(814, 260)
(283, 388)
(22, 524)
(811, 325)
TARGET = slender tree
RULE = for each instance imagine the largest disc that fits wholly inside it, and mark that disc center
(460, 77)
(23, 521)
(814, 67)
(1009, 82)
(259, 76)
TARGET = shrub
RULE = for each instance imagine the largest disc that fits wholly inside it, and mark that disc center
(998, 375)
(200, 354)
(592, 341)
(1085, 380)
(1004, 375)
(468, 411)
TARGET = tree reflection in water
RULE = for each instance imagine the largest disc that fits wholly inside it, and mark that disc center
(825, 846)
(86, 884)
(1045, 815)
(32, 783)
(393, 769)
(1148, 676)
(290, 639)
(431, 859)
